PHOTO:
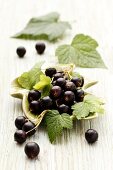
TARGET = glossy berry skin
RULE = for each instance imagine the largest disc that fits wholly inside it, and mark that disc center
(70, 86)
(46, 103)
(40, 48)
(20, 136)
(63, 108)
(21, 51)
(55, 92)
(29, 126)
(50, 72)
(33, 95)
(32, 150)
(69, 97)
(91, 135)
(79, 82)
(61, 82)
(79, 95)
(35, 107)
(19, 122)
(57, 75)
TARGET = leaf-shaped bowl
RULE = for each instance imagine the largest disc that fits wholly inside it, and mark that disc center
(18, 92)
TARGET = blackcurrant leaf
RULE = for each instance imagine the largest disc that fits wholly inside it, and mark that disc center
(46, 27)
(44, 85)
(90, 105)
(28, 79)
(56, 122)
(82, 52)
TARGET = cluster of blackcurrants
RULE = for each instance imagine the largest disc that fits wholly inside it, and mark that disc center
(40, 48)
(64, 93)
(26, 128)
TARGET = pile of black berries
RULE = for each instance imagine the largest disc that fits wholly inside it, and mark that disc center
(64, 93)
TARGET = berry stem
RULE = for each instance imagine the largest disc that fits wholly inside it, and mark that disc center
(39, 119)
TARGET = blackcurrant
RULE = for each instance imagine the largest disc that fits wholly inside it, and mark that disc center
(32, 150)
(55, 92)
(35, 107)
(60, 82)
(29, 126)
(40, 48)
(91, 135)
(34, 95)
(19, 121)
(21, 51)
(57, 75)
(46, 103)
(69, 97)
(20, 136)
(63, 108)
(79, 95)
(79, 82)
(70, 86)
(50, 72)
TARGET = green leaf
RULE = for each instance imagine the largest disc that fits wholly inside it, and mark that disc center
(56, 122)
(46, 27)
(28, 79)
(91, 104)
(90, 84)
(84, 42)
(44, 84)
(82, 52)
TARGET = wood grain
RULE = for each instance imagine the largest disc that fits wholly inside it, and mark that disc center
(72, 152)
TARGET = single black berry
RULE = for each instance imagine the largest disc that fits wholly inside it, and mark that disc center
(46, 103)
(55, 92)
(60, 82)
(58, 75)
(40, 48)
(70, 86)
(20, 136)
(34, 95)
(50, 72)
(79, 82)
(29, 127)
(63, 109)
(32, 150)
(19, 121)
(21, 51)
(35, 107)
(69, 97)
(91, 135)
(79, 95)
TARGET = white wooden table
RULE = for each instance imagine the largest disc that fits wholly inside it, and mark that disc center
(92, 17)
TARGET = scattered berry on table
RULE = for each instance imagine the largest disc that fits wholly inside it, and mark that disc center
(32, 150)
(40, 48)
(20, 136)
(21, 51)
(91, 135)
(29, 126)
(20, 121)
